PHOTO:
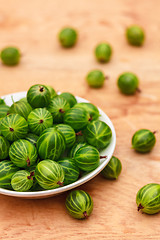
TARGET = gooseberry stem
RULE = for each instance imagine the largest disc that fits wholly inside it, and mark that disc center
(11, 129)
(61, 110)
(60, 183)
(41, 89)
(31, 176)
(85, 214)
(140, 207)
(41, 121)
(103, 157)
(28, 162)
(138, 90)
(32, 173)
(79, 133)
(154, 132)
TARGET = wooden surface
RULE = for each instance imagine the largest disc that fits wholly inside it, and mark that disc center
(33, 26)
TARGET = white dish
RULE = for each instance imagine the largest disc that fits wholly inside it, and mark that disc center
(103, 162)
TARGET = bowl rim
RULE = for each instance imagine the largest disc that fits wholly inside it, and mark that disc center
(79, 182)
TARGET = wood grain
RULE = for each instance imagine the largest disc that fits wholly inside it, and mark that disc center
(33, 27)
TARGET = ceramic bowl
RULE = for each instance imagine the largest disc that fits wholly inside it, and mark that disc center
(103, 162)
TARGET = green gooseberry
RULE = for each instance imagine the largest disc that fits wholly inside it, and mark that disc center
(68, 37)
(143, 140)
(148, 198)
(95, 78)
(68, 133)
(22, 108)
(32, 138)
(103, 52)
(23, 153)
(77, 118)
(4, 148)
(70, 169)
(74, 149)
(7, 169)
(80, 138)
(10, 56)
(70, 98)
(79, 204)
(22, 181)
(58, 107)
(135, 35)
(4, 110)
(98, 134)
(87, 158)
(113, 169)
(91, 109)
(49, 174)
(128, 83)
(39, 119)
(2, 102)
(23, 100)
(38, 96)
(52, 91)
(51, 144)
(36, 187)
(13, 127)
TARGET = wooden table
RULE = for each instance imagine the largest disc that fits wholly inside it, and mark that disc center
(33, 26)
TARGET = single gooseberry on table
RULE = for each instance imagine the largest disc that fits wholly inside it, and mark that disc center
(143, 140)
(103, 52)
(68, 37)
(128, 83)
(10, 56)
(79, 204)
(95, 78)
(135, 35)
(148, 198)
(113, 169)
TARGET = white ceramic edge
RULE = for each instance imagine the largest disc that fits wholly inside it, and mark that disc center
(82, 180)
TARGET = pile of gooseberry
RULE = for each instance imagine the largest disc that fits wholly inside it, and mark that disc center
(48, 141)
